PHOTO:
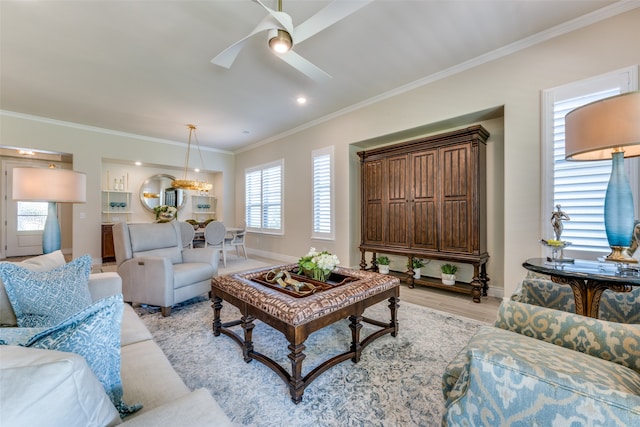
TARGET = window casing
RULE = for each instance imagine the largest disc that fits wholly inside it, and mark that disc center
(580, 186)
(323, 191)
(263, 198)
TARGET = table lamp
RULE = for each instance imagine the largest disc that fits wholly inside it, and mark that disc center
(53, 186)
(609, 129)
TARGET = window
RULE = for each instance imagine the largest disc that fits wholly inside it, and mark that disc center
(323, 227)
(263, 198)
(31, 215)
(579, 187)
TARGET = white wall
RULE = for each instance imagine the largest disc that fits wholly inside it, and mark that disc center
(514, 82)
(89, 147)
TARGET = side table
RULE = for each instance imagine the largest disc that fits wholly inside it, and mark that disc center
(587, 281)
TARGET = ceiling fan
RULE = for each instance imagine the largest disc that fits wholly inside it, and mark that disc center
(283, 35)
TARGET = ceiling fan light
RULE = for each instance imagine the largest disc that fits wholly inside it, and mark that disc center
(280, 41)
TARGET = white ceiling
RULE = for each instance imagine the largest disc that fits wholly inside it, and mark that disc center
(143, 67)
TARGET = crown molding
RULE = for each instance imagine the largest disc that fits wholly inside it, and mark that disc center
(103, 130)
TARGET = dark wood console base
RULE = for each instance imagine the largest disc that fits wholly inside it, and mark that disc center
(477, 288)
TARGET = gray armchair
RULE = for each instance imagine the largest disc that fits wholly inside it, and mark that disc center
(156, 269)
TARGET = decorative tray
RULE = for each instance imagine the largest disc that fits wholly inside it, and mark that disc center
(335, 280)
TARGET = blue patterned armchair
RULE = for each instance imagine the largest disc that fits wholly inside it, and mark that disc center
(542, 366)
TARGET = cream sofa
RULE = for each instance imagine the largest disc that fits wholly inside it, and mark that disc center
(147, 376)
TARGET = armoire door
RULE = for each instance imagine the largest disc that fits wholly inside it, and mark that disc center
(456, 197)
(373, 195)
(397, 212)
(424, 219)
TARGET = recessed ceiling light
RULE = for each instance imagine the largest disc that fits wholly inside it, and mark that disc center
(301, 100)
(138, 163)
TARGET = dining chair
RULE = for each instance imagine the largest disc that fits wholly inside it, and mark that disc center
(214, 234)
(187, 233)
(238, 241)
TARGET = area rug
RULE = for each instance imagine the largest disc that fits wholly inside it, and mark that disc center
(396, 383)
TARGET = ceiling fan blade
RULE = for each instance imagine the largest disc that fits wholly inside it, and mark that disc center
(226, 57)
(283, 18)
(304, 66)
(334, 12)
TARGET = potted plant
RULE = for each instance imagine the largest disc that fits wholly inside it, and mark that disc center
(383, 264)
(448, 274)
(417, 265)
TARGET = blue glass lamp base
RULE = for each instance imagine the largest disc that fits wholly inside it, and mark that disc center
(51, 234)
(618, 209)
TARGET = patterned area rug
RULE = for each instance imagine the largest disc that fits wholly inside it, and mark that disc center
(396, 383)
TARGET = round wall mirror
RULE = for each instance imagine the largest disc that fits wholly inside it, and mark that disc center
(157, 191)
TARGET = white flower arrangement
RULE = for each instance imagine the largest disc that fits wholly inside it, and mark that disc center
(165, 213)
(319, 264)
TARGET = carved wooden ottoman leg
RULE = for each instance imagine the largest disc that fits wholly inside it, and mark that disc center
(247, 347)
(296, 385)
(355, 326)
(217, 306)
(393, 307)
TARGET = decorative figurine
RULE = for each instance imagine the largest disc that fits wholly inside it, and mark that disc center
(557, 217)
(557, 245)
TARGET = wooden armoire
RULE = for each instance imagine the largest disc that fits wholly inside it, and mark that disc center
(426, 198)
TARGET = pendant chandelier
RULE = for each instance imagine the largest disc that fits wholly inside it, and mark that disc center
(190, 184)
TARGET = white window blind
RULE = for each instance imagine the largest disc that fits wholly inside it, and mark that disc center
(323, 194)
(579, 186)
(263, 198)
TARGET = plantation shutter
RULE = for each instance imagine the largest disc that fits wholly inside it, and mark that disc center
(322, 195)
(263, 198)
(580, 187)
(253, 199)
(271, 198)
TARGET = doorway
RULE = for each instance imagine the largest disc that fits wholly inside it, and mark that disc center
(22, 223)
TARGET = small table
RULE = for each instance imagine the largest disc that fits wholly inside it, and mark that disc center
(587, 281)
(296, 317)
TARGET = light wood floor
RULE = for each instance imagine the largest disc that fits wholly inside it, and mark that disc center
(451, 302)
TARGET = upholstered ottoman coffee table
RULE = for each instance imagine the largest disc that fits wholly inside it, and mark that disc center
(298, 313)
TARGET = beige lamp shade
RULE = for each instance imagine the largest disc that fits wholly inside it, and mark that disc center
(595, 131)
(49, 185)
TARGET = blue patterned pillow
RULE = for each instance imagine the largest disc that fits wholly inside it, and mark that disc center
(93, 333)
(46, 298)
(17, 336)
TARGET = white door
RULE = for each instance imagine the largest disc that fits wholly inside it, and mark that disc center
(24, 221)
